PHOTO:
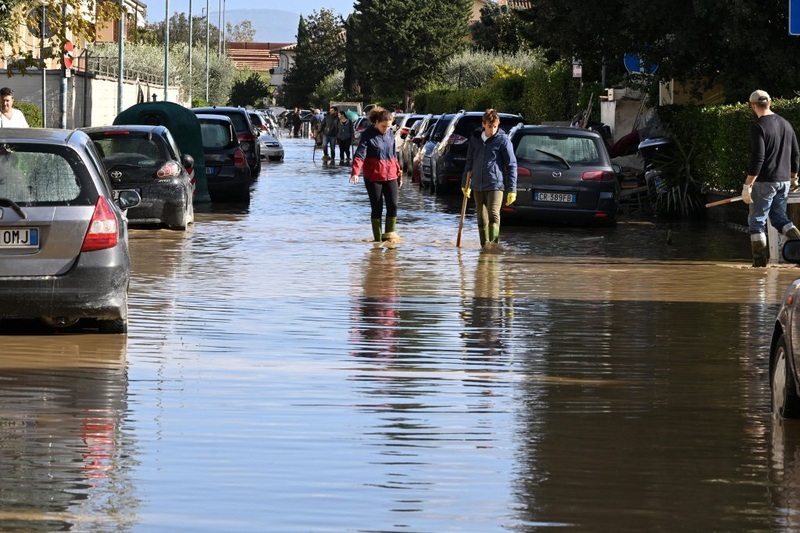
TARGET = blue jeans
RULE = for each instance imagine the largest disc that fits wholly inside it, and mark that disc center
(329, 140)
(769, 200)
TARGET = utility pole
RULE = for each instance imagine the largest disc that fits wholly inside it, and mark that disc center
(166, 54)
(121, 59)
(208, 36)
(191, 45)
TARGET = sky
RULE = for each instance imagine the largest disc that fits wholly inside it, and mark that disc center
(156, 9)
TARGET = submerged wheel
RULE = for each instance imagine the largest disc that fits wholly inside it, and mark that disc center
(113, 327)
(785, 402)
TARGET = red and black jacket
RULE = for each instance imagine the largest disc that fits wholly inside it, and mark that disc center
(376, 155)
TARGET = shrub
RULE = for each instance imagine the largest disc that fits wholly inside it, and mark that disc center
(32, 113)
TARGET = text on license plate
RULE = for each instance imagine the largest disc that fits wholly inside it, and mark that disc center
(211, 170)
(19, 238)
(554, 197)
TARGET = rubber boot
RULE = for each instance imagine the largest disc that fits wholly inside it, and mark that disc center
(758, 243)
(494, 232)
(376, 229)
(483, 233)
(390, 234)
(792, 232)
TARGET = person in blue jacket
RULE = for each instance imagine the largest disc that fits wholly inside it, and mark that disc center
(490, 170)
(377, 158)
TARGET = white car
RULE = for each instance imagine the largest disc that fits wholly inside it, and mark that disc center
(271, 147)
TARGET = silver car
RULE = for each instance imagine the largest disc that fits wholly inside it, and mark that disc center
(271, 147)
(63, 234)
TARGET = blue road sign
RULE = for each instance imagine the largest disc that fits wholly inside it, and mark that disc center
(794, 17)
(634, 64)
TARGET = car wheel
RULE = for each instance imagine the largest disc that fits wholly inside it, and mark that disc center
(188, 217)
(785, 402)
(116, 326)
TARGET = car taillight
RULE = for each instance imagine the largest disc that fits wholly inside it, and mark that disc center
(239, 159)
(456, 139)
(404, 131)
(598, 175)
(170, 169)
(524, 172)
(245, 137)
(103, 231)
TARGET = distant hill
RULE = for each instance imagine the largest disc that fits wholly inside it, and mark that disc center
(271, 25)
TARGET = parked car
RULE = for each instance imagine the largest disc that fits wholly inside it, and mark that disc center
(259, 121)
(245, 131)
(783, 365)
(564, 176)
(402, 127)
(360, 124)
(427, 149)
(63, 235)
(271, 147)
(146, 158)
(227, 172)
(450, 154)
(414, 142)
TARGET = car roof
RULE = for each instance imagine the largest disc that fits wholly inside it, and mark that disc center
(143, 128)
(555, 130)
(209, 116)
(43, 135)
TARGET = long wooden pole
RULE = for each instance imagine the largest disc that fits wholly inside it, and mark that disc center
(725, 201)
(463, 212)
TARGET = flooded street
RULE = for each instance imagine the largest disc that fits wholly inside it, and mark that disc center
(282, 374)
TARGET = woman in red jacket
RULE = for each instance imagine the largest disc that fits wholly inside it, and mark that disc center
(383, 178)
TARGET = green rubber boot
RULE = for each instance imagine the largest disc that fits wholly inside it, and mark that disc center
(494, 232)
(376, 229)
(758, 244)
(483, 233)
(390, 234)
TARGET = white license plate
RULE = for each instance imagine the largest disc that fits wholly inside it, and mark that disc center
(19, 238)
(554, 197)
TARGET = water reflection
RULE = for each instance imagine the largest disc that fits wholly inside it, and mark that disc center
(377, 315)
(64, 463)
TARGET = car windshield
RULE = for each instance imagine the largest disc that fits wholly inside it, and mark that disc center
(558, 149)
(135, 150)
(215, 135)
(35, 174)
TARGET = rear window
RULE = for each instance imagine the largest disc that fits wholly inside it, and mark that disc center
(555, 148)
(215, 135)
(240, 123)
(37, 174)
(130, 149)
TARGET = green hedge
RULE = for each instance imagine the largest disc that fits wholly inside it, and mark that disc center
(32, 113)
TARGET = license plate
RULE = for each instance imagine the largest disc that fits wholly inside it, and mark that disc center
(19, 238)
(210, 171)
(554, 197)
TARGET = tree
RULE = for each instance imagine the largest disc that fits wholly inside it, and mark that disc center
(498, 30)
(401, 43)
(742, 45)
(241, 33)
(319, 53)
(66, 20)
(153, 33)
(249, 91)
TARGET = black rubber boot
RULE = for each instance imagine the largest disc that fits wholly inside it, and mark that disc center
(760, 253)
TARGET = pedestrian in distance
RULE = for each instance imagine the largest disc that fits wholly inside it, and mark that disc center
(344, 136)
(774, 161)
(377, 157)
(491, 169)
(329, 133)
(9, 116)
(296, 122)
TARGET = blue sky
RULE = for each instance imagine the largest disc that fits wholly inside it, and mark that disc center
(156, 9)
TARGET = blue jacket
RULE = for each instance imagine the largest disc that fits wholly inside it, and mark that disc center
(492, 163)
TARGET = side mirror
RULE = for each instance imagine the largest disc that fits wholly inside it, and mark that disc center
(128, 198)
(187, 161)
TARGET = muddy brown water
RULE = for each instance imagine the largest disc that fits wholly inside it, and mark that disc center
(282, 374)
